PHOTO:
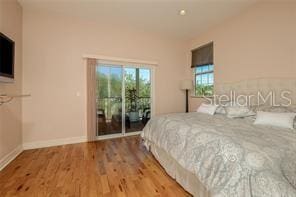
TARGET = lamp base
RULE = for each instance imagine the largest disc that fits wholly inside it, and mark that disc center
(187, 101)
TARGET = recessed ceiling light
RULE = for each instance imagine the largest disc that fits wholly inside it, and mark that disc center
(182, 12)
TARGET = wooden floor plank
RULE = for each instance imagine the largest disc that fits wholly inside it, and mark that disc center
(117, 167)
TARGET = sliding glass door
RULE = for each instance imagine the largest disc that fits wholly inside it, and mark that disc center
(109, 100)
(123, 99)
(137, 98)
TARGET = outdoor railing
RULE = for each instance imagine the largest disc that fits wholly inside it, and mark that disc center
(113, 105)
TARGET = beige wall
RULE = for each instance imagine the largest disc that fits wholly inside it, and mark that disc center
(260, 42)
(10, 114)
(54, 70)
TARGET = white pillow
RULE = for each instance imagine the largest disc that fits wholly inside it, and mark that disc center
(284, 120)
(220, 110)
(207, 109)
(238, 112)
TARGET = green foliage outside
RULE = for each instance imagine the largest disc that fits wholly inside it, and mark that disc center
(112, 105)
(204, 90)
(130, 83)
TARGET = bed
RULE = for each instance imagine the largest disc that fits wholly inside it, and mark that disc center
(218, 156)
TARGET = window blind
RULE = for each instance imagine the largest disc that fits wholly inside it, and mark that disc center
(203, 55)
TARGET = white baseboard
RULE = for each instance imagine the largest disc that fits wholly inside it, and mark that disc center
(56, 142)
(10, 156)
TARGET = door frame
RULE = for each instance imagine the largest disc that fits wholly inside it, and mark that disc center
(152, 94)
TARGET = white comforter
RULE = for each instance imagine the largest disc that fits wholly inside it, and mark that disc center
(231, 157)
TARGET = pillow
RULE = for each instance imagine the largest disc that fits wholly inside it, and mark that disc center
(279, 109)
(220, 110)
(284, 120)
(238, 112)
(207, 109)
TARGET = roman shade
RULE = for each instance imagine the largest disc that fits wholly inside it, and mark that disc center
(203, 55)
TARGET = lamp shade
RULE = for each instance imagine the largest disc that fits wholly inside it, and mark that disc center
(186, 85)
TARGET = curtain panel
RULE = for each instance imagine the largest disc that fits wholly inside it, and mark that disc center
(91, 99)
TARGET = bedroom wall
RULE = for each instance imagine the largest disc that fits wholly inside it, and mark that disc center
(259, 42)
(54, 71)
(10, 114)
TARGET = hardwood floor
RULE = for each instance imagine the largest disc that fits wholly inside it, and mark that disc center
(117, 167)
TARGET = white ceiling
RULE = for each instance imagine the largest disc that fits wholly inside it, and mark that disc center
(160, 16)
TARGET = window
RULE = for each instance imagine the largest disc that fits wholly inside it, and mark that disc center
(203, 69)
(204, 80)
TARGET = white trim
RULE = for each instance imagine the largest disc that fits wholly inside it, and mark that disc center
(6, 79)
(10, 156)
(56, 142)
(117, 135)
(152, 93)
(123, 101)
(116, 60)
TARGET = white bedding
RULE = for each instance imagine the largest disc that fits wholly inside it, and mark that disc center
(231, 157)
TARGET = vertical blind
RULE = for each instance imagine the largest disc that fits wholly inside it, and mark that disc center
(203, 55)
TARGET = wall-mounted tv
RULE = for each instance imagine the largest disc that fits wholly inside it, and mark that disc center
(6, 59)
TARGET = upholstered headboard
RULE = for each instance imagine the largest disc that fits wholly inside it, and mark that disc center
(278, 86)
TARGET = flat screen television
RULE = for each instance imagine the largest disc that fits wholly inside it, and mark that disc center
(6, 59)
